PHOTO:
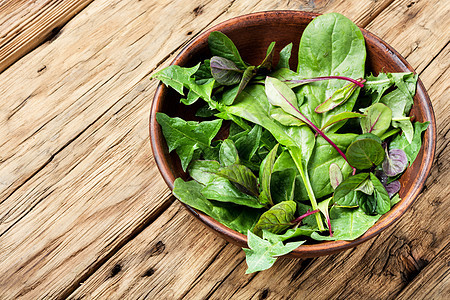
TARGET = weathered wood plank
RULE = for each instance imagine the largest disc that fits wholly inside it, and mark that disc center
(416, 29)
(379, 268)
(24, 25)
(433, 282)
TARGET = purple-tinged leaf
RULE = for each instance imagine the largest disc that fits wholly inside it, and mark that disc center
(393, 188)
(277, 219)
(295, 83)
(339, 96)
(395, 162)
(267, 62)
(335, 176)
(225, 71)
(242, 176)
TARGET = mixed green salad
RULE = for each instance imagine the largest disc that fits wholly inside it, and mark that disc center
(312, 153)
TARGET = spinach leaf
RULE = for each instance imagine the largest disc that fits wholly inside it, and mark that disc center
(341, 117)
(248, 144)
(204, 71)
(225, 71)
(220, 45)
(348, 224)
(337, 98)
(331, 45)
(285, 118)
(282, 184)
(277, 219)
(411, 149)
(221, 189)
(265, 175)
(350, 200)
(242, 176)
(323, 207)
(289, 234)
(203, 171)
(367, 203)
(378, 119)
(381, 196)
(262, 253)
(228, 154)
(365, 153)
(187, 136)
(285, 56)
(348, 185)
(239, 218)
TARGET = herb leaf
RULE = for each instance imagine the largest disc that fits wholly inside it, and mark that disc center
(225, 71)
(262, 253)
(277, 219)
(265, 172)
(381, 196)
(348, 185)
(187, 136)
(411, 149)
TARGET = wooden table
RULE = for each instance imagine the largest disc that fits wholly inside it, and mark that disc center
(84, 212)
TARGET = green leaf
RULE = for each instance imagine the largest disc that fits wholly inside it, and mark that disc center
(348, 185)
(367, 203)
(225, 71)
(377, 85)
(323, 207)
(282, 184)
(339, 96)
(411, 149)
(277, 219)
(248, 144)
(242, 176)
(336, 176)
(366, 187)
(279, 94)
(239, 218)
(221, 189)
(187, 136)
(267, 62)
(381, 196)
(176, 77)
(378, 119)
(203, 171)
(365, 153)
(341, 117)
(204, 71)
(285, 55)
(220, 45)
(285, 118)
(266, 169)
(289, 234)
(228, 154)
(262, 253)
(331, 45)
(348, 224)
(350, 200)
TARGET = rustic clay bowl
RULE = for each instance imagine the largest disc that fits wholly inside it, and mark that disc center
(252, 34)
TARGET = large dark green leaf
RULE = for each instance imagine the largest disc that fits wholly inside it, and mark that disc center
(365, 153)
(220, 45)
(221, 189)
(187, 136)
(203, 171)
(239, 218)
(242, 176)
(277, 219)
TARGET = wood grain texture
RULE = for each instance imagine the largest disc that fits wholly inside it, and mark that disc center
(25, 25)
(83, 208)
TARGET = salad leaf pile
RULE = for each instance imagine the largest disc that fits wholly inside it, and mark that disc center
(313, 153)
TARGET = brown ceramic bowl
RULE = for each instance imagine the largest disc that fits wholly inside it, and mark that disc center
(256, 31)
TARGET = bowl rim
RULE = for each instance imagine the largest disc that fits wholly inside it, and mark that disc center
(325, 247)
